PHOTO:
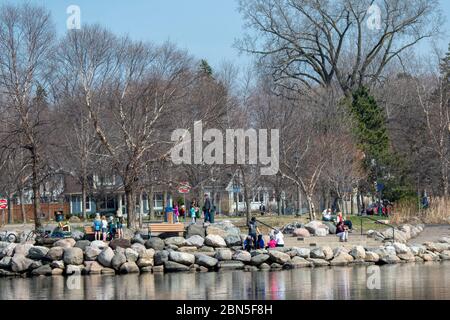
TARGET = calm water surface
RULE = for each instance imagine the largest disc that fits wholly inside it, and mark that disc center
(405, 281)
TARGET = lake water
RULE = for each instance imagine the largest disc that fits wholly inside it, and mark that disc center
(404, 281)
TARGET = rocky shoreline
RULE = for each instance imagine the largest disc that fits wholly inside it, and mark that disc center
(205, 249)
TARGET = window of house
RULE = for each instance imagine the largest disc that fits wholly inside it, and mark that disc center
(158, 200)
(88, 204)
(107, 203)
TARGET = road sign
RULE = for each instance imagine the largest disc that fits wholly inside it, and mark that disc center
(184, 187)
(3, 204)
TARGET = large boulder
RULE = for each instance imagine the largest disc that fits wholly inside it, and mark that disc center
(73, 256)
(145, 262)
(230, 265)
(358, 252)
(77, 235)
(319, 262)
(161, 257)
(279, 257)
(297, 262)
(445, 255)
(140, 249)
(82, 244)
(171, 266)
(328, 252)
(97, 244)
(132, 256)
(242, 255)
(91, 253)
(436, 247)
(317, 253)
(155, 243)
(37, 252)
(303, 252)
(301, 232)
(5, 263)
(215, 241)
(120, 243)
(223, 229)
(117, 261)
(341, 259)
(407, 256)
(316, 228)
(223, 254)
(137, 238)
(59, 264)
(55, 253)
(20, 263)
(44, 270)
(390, 259)
(321, 232)
(72, 269)
(401, 248)
(195, 230)
(205, 261)
(129, 267)
(331, 227)
(233, 240)
(195, 241)
(371, 257)
(105, 257)
(176, 241)
(259, 259)
(93, 267)
(182, 258)
(36, 264)
(65, 243)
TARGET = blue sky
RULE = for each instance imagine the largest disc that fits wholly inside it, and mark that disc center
(207, 28)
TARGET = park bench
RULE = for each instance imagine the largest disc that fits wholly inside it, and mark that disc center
(166, 227)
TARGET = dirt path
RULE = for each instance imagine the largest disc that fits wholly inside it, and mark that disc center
(432, 233)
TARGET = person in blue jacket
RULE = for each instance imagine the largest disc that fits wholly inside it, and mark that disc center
(98, 228)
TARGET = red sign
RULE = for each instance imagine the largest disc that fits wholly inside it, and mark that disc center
(3, 204)
(184, 187)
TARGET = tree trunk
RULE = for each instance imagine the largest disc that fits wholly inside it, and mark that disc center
(10, 213)
(22, 207)
(36, 193)
(130, 207)
(299, 200)
(151, 203)
(141, 209)
(312, 214)
(84, 196)
(444, 177)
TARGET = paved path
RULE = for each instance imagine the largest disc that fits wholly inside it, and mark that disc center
(432, 233)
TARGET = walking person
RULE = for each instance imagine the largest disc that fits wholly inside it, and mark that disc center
(104, 228)
(207, 208)
(193, 212)
(119, 225)
(176, 212)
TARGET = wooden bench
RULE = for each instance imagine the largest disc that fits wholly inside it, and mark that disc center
(166, 227)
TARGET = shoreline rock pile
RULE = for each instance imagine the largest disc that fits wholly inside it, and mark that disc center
(215, 248)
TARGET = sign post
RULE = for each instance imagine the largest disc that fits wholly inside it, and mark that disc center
(3, 206)
(183, 188)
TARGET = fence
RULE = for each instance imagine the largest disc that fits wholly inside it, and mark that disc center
(47, 209)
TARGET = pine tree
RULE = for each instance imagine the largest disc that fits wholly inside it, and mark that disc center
(205, 68)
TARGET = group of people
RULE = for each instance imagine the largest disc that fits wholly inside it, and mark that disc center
(343, 226)
(207, 209)
(255, 239)
(108, 229)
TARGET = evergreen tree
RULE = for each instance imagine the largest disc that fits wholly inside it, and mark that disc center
(205, 68)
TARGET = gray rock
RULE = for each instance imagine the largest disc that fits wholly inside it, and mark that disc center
(297, 262)
(215, 241)
(303, 252)
(408, 256)
(188, 249)
(137, 239)
(371, 257)
(264, 266)
(131, 255)
(390, 259)
(205, 261)
(182, 258)
(195, 229)
(317, 253)
(65, 243)
(171, 266)
(140, 249)
(44, 270)
(155, 243)
(23, 249)
(230, 265)
(195, 241)
(129, 267)
(82, 244)
(331, 227)
(233, 240)
(161, 257)
(37, 252)
(77, 235)
(73, 256)
(223, 229)
(55, 253)
(223, 255)
(250, 268)
(97, 244)
(105, 257)
(158, 269)
(206, 249)
(341, 259)
(117, 260)
(57, 272)
(401, 248)
(321, 232)
(93, 267)
(328, 252)
(91, 253)
(148, 269)
(358, 252)
(20, 263)
(259, 259)
(242, 255)
(108, 271)
(36, 264)
(319, 262)
(145, 262)
(176, 241)
(279, 257)
(122, 243)
(276, 266)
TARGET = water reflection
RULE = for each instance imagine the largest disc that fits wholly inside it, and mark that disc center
(404, 281)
